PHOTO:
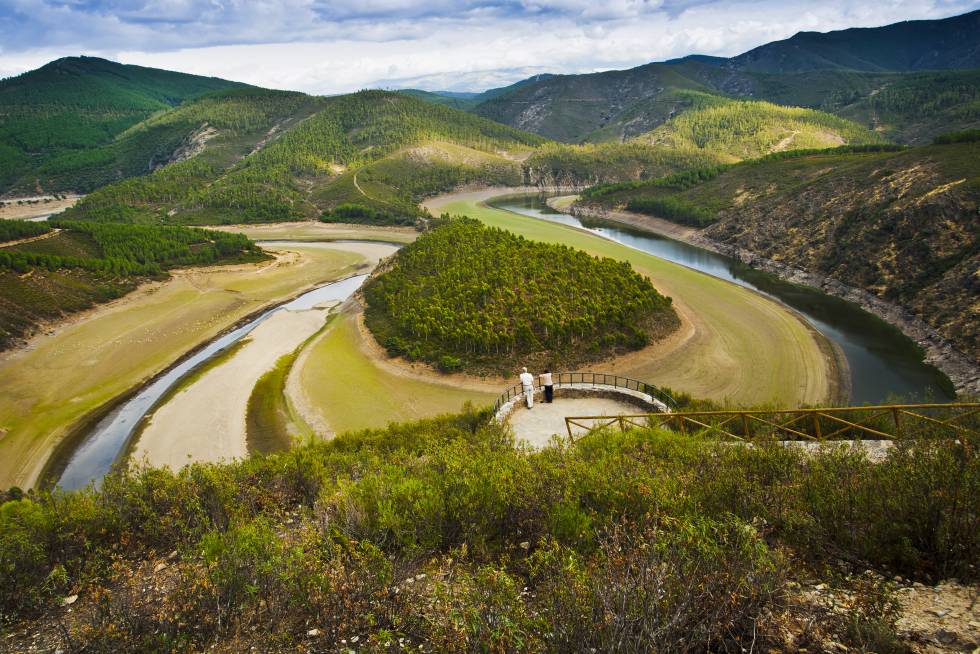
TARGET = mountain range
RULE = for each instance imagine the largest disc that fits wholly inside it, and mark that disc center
(889, 79)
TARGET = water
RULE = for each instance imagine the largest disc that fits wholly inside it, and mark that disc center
(101, 448)
(884, 363)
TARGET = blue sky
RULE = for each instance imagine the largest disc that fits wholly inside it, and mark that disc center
(335, 46)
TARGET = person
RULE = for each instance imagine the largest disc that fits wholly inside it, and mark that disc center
(527, 383)
(549, 386)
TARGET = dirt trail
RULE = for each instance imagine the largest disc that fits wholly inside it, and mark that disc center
(30, 239)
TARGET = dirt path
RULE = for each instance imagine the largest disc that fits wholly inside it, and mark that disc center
(30, 239)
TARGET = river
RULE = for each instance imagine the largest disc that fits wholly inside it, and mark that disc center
(884, 363)
(104, 443)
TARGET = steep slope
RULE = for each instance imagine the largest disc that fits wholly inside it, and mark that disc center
(907, 46)
(900, 224)
(320, 162)
(56, 121)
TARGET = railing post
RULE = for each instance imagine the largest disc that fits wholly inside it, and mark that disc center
(898, 425)
(622, 424)
(816, 425)
(746, 427)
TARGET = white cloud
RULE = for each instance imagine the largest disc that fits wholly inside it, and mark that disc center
(334, 46)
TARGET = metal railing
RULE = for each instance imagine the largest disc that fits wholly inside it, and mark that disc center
(879, 422)
(593, 379)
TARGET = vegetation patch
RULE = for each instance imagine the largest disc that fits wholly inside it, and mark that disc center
(466, 296)
(14, 230)
(442, 534)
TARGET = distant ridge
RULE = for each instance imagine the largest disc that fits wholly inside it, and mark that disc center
(949, 43)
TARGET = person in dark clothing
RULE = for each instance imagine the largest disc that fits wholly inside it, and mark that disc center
(549, 386)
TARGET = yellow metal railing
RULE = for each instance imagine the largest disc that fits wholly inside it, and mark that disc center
(833, 423)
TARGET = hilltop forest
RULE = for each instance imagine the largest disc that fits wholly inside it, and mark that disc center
(466, 296)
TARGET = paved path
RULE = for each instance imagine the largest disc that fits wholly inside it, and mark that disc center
(538, 425)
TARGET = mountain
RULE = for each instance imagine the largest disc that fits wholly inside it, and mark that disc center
(866, 75)
(379, 150)
(54, 117)
(464, 101)
(915, 209)
(907, 46)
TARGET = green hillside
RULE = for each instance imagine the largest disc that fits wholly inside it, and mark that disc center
(916, 209)
(733, 130)
(367, 148)
(64, 118)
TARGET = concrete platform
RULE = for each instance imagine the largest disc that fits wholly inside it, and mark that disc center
(537, 426)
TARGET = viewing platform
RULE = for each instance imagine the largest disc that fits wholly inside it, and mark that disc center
(576, 393)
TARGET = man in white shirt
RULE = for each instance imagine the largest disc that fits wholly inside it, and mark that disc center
(527, 382)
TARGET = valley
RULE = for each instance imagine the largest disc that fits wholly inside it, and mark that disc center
(682, 357)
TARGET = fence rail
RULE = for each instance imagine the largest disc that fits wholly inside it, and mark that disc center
(879, 422)
(593, 379)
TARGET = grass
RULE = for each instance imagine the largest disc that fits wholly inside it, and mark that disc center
(47, 389)
(746, 348)
(350, 391)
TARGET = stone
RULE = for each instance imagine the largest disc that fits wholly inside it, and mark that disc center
(71, 599)
(945, 637)
(312, 633)
(939, 613)
(159, 567)
(525, 545)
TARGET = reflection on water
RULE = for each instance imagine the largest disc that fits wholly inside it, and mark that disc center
(884, 362)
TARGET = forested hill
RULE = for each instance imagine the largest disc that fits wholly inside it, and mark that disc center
(859, 74)
(379, 151)
(53, 117)
(901, 224)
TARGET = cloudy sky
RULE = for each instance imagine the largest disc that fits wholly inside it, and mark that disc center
(334, 46)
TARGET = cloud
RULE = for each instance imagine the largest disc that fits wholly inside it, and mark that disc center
(333, 46)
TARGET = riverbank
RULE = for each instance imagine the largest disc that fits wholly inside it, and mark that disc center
(962, 370)
(206, 420)
(35, 208)
(742, 348)
(75, 366)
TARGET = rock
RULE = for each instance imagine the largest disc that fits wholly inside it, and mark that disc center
(820, 587)
(159, 567)
(71, 599)
(939, 613)
(312, 633)
(945, 637)
(525, 545)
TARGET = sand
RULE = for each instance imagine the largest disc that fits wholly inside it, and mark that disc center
(206, 420)
(42, 206)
